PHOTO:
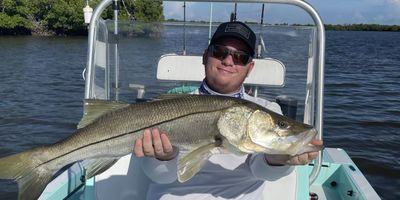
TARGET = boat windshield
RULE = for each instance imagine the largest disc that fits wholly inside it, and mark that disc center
(126, 65)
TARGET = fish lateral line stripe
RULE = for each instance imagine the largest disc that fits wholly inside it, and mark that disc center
(84, 146)
(124, 134)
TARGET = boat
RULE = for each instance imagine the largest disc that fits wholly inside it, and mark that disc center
(333, 175)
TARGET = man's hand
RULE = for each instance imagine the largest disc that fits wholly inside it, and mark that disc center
(155, 144)
(301, 159)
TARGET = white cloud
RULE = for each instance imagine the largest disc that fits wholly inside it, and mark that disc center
(395, 5)
(389, 13)
(358, 17)
(175, 10)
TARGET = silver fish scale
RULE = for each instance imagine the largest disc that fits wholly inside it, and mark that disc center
(188, 120)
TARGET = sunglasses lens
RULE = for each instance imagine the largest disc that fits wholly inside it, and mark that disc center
(221, 52)
(240, 58)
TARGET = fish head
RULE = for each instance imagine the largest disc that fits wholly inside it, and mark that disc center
(278, 134)
(263, 131)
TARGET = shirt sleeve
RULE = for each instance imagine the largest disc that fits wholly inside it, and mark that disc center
(261, 170)
(273, 106)
(161, 172)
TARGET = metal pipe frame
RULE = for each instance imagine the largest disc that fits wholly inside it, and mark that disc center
(91, 42)
(299, 3)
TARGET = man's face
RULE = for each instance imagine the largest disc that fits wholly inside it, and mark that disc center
(222, 74)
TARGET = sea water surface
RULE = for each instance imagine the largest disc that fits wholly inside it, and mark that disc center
(41, 93)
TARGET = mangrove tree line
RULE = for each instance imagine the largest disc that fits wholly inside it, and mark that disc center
(65, 17)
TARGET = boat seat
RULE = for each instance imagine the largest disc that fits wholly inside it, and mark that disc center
(172, 67)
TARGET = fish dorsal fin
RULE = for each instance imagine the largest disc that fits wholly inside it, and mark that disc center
(191, 163)
(170, 96)
(97, 166)
(94, 108)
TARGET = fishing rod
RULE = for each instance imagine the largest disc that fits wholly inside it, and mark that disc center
(184, 27)
(210, 24)
(260, 40)
(254, 89)
(116, 9)
(233, 14)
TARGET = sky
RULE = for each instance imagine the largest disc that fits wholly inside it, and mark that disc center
(331, 11)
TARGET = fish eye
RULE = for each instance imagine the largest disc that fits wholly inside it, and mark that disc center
(282, 124)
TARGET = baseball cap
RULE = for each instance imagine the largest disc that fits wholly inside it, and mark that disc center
(238, 30)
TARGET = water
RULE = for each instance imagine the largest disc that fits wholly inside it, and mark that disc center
(362, 107)
(42, 90)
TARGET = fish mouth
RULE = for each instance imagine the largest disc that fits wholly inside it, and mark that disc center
(300, 142)
(292, 145)
(308, 135)
(301, 138)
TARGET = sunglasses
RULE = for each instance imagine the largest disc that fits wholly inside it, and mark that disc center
(220, 52)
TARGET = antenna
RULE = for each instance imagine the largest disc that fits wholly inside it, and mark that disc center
(260, 39)
(210, 25)
(184, 27)
(233, 14)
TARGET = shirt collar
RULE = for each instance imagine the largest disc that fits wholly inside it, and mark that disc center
(205, 90)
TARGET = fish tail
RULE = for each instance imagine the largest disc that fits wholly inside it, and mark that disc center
(26, 169)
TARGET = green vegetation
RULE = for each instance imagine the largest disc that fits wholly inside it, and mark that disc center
(14, 17)
(362, 27)
(148, 11)
(353, 27)
(330, 27)
(65, 17)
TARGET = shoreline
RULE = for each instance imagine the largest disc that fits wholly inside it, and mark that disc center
(328, 27)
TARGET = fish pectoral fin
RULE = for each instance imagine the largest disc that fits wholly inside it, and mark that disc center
(97, 166)
(94, 108)
(192, 162)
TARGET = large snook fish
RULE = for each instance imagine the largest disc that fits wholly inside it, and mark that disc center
(198, 125)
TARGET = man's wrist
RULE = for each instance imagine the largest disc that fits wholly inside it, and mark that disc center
(171, 156)
(272, 163)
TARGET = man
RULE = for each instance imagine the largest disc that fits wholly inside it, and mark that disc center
(227, 61)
